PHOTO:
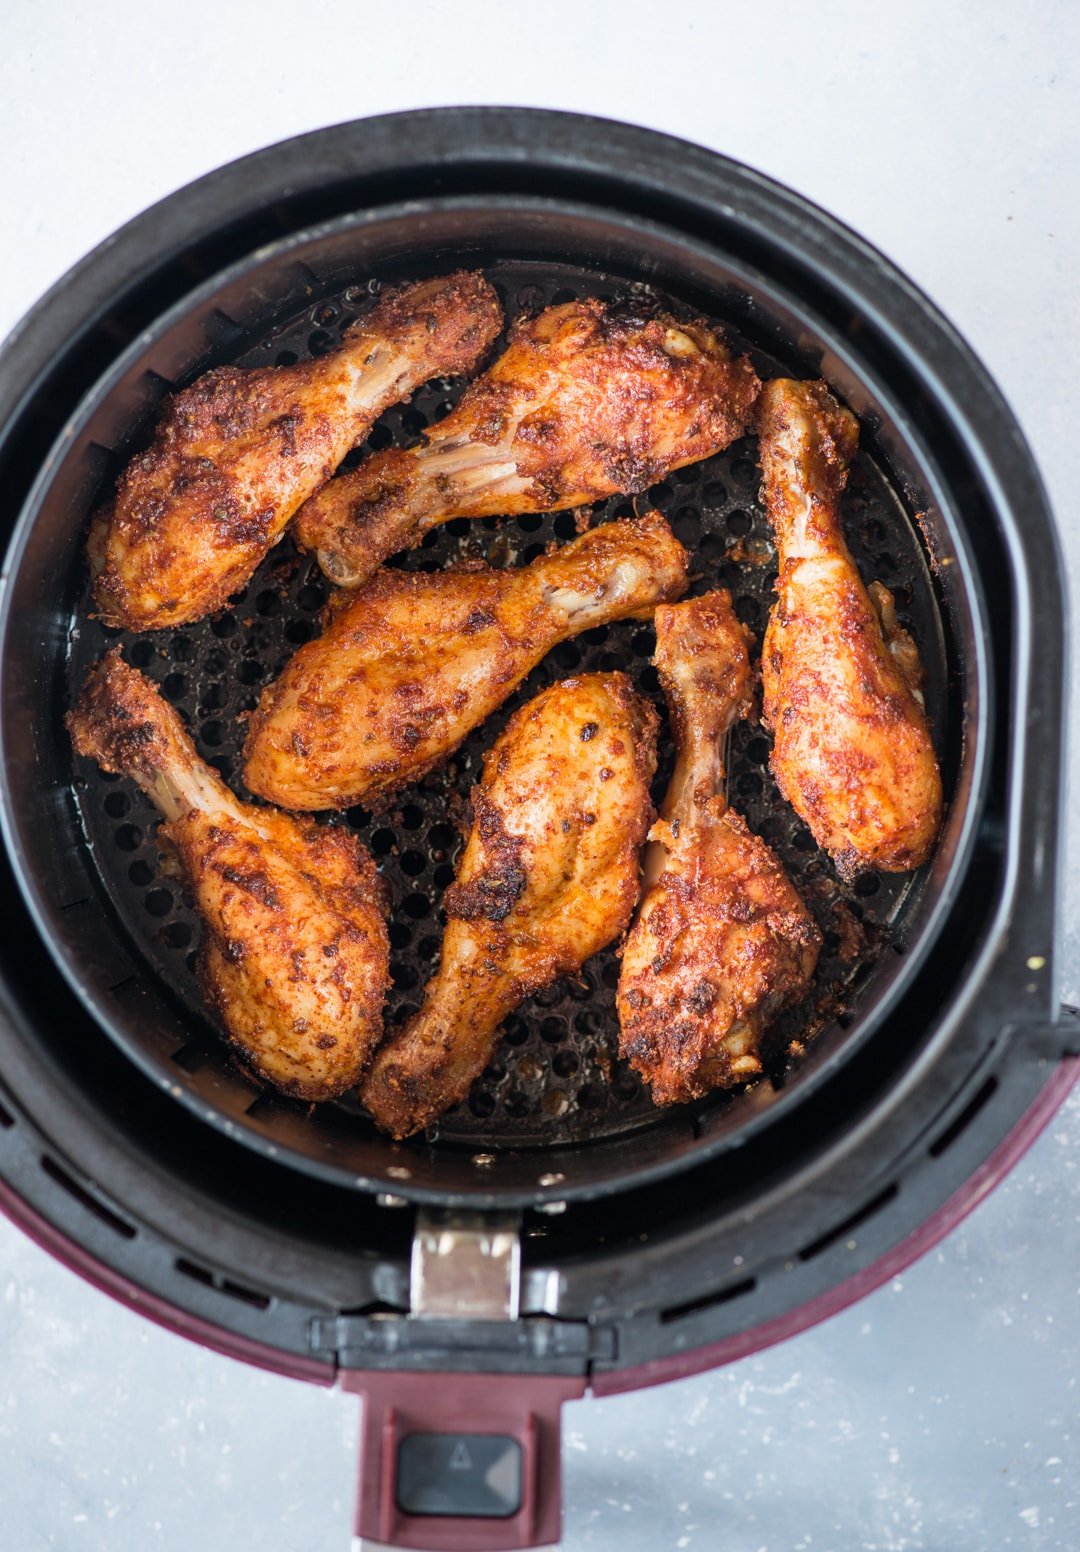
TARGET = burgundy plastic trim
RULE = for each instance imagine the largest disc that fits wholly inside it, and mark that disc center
(525, 1407)
(659, 1371)
(161, 1313)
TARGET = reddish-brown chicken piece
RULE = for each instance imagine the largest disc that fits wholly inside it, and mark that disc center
(722, 942)
(852, 751)
(588, 399)
(294, 955)
(235, 454)
(549, 875)
(410, 664)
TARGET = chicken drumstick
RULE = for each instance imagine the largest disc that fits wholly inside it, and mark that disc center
(852, 751)
(411, 663)
(722, 942)
(236, 453)
(549, 875)
(588, 399)
(295, 953)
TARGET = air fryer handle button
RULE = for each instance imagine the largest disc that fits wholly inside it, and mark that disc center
(460, 1461)
(472, 1474)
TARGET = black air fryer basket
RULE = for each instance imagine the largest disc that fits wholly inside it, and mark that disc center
(556, 1232)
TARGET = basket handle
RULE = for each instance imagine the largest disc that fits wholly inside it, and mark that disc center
(460, 1462)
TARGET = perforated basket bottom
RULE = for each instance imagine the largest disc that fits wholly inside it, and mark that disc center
(555, 1077)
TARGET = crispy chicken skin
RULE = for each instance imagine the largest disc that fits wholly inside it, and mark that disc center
(235, 454)
(294, 955)
(549, 875)
(852, 751)
(408, 665)
(588, 399)
(722, 942)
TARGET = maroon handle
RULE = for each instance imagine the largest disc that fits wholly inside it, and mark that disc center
(460, 1421)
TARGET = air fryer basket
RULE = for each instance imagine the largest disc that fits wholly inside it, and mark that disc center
(650, 1243)
(556, 1080)
(555, 1103)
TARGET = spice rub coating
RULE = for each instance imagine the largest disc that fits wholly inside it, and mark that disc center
(236, 454)
(294, 954)
(589, 398)
(408, 665)
(722, 942)
(548, 877)
(852, 751)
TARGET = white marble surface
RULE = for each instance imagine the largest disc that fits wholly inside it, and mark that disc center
(940, 1413)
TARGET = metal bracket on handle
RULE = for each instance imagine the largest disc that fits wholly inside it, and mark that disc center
(465, 1266)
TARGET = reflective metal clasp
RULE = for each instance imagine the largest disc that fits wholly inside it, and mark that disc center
(465, 1266)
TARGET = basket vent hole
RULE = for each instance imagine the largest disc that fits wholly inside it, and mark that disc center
(686, 524)
(191, 1057)
(203, 1275)
(245, 1295)
(708, 1301)
(73, 1188)
(515, 1031)
(565, 525)
(815, 1248)
(198, 1274)
(964, 1119)
(404, 975)
(400, 935)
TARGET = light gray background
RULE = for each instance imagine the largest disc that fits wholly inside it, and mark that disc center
(941, 1412)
